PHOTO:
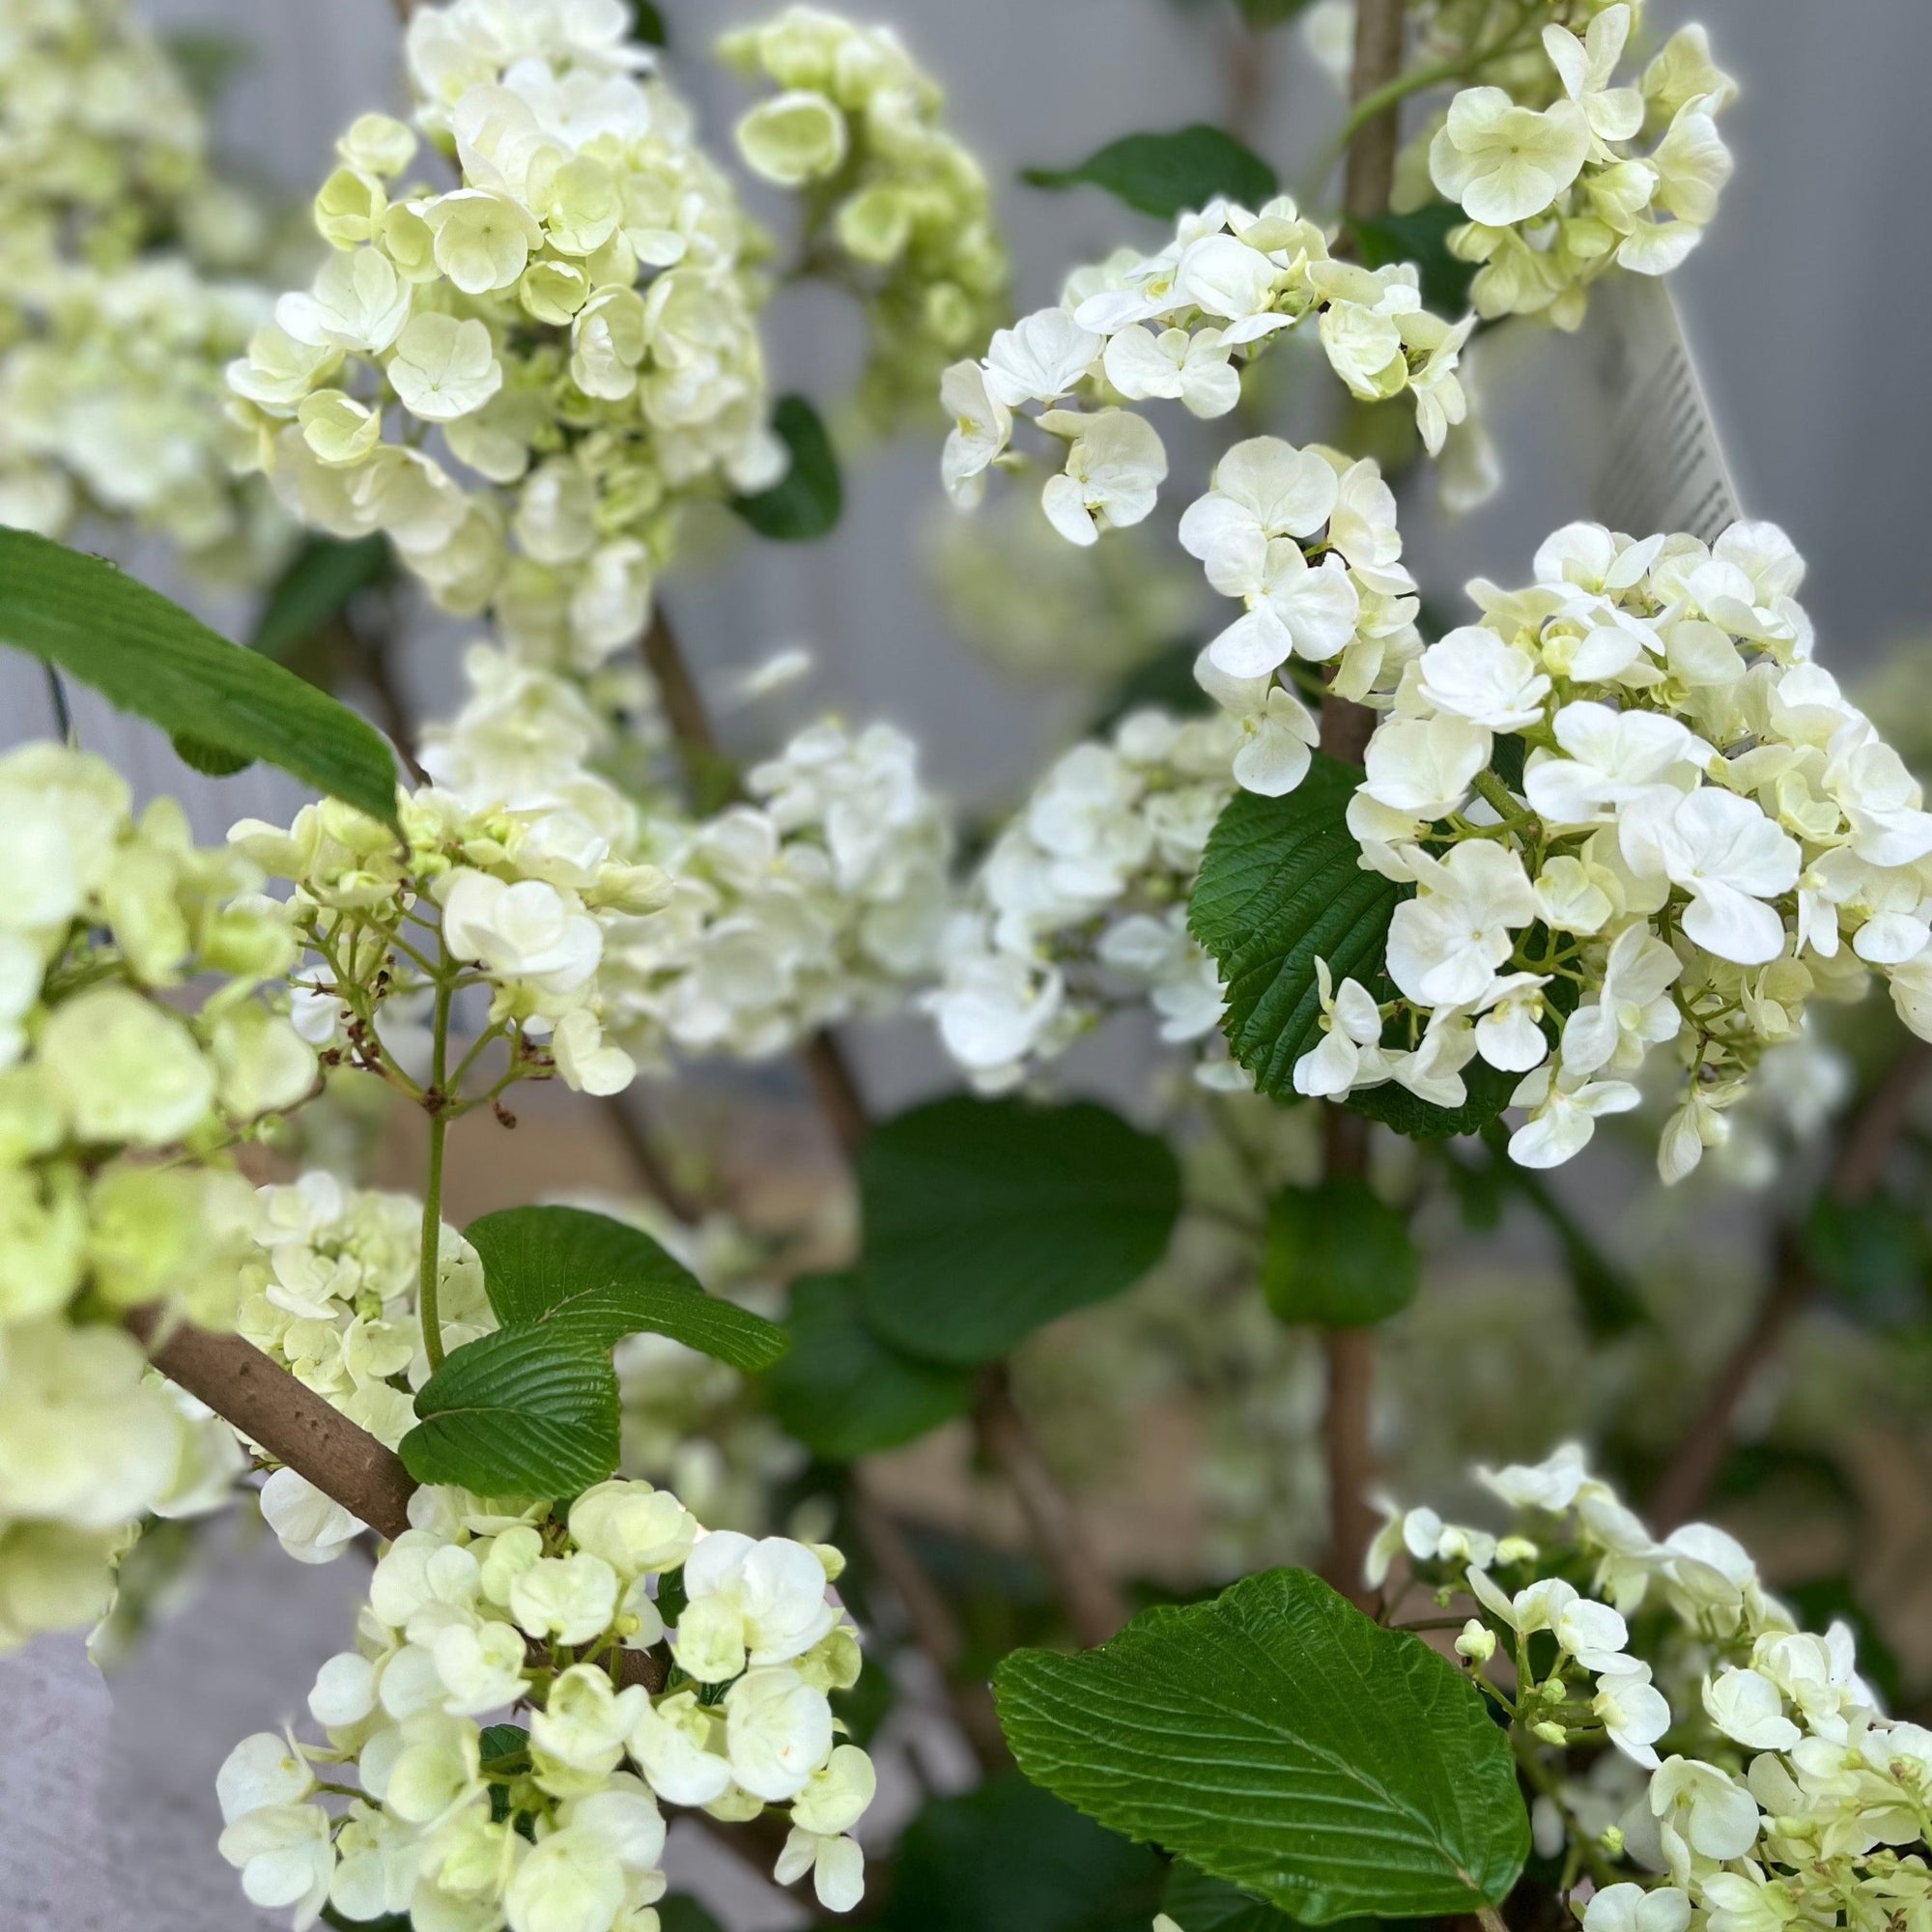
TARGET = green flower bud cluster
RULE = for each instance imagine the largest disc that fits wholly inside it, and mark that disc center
(522, 379)
(896, 209)
(112, 1094)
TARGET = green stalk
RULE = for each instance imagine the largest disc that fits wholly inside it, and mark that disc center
(1518, 817)
(438, 1103)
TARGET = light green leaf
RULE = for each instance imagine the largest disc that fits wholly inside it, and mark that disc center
(1337, 1255)
(1166, 174)
(988, 1219)
(315, 588)
(601, 1279)
(149, 657)
(522, 1412)
(806, 502)
(1280, 1740)
(1281, 886)
(843, 1390)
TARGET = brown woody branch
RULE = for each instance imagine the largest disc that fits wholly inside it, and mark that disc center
(1371, 168)
(1865, 1151)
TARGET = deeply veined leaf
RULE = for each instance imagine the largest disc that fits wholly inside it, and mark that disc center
(1337, 1255)
(601, 1279)
(1164, 174)
(1281, 886)
(987, 1219)
(806, 502)
(1201, 1904)
(522, 1412)
(1280, 1740)
(843, 1390)
(150, 656)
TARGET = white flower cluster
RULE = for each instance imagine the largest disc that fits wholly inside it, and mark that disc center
(112, 339)
(896, 209)
(1793, 1799)
(1701, 833)
(101, 1075)
(521, 865)
(1180, 325)
(1081, 904)
(1558, 194)
(479, 1609)
(330, 1294)
(575, 321)
(1307, 540)
(823, 898)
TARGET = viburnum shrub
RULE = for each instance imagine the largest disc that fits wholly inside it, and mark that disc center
(1360, 905)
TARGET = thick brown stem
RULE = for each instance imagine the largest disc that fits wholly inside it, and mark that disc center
(1350, 1357)
(1379, 50)
(1095, 1609)
(835, 1087)
(935, 1628)
(690, 728)
(652, 1169)
(1865, 1151)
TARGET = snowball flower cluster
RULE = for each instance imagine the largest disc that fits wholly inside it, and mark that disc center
(822, 896)
(1634, 815)
(891, 197)
(517, 870)
(482, 1610)
(114, 328)
(329, 1291)
(1306, 539)
(1081, 904)
(572, 327)
(1558, 194)
(1787, 1796)
(107, 1090)
(1180, 324)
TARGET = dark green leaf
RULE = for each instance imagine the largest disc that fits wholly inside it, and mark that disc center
(1488, 1093)
(315, 588)
(1422, 238)
(1278, 1739)
(149, 657)
(394, 1921)
(988, 1219)
(1268, 14)
(845, 1391)
(806, 502)
(501, 1741)
(1871, 1255)
(1198, 1903)
(601, 1280)
(1166, 174)
(1337, 1257)
(1281, 885)
(647, 23)
(522, 1412)
(210, 761)
(1009, 1855)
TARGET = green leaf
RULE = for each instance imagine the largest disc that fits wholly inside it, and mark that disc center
(647, 25)
(1870, 1254)
(210, 761)
(1395, 1106)
(843, 1390)
(149, 657)
(315, 588)
(600, 1280)
(988, 1219)
(522, 1412)
(1011, 1858)
(1280, 885)
(1337, 1255)
(1199, 1903)
(1268, 14)
(1166, 174)
(1278, 1739)
(503, 1741)
(806, 502)
(1422, 236)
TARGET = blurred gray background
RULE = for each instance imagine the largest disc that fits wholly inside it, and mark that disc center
(1804, 306)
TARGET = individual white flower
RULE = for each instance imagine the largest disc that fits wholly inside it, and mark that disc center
(584, 1721)
(1728, 856)
(1631, 1012)
(444, 368)
(357, 301)
(571, 1882)
(679, 1745)
(1294, 609)
(1193, 368)
(1585, 68)
(570, 1598)
(1612, 756)
(1509, 1033)
(1634, 1713)
(1279, 733)
(982, 427)
(1445, 943)
(1427, 1538)
(778, 1731)
(1505, 163)
(1349, 1055)
(994, 1008)
(480, 1669)
(1572, 896)
(310, 1526)
(261, 1772)
(1475, 674)
(793, 139)
(1263, 488)
(1635, 1907)
(1115, 465)
(637, 1530)
(1590, 1631)
(285, 1857)
(1552, 1485)
(525, 930)
(749, 1601)
(1699, 1809)
(1039, 359)
(1749, 1710)
(836, 1864)
(124, 1069)
(1423, 767)
(1563, 1115)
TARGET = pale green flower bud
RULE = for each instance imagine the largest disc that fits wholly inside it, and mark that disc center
(148, 1235)
(793, 139)
(378, 144)
(1476, 1641)
(349, 209)
(875, 224)
(342, 432)
(127, 1071)
(263, 1065)
(553, 291)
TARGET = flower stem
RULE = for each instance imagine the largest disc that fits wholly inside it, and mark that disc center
(1518, 817)
(438, 1103)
